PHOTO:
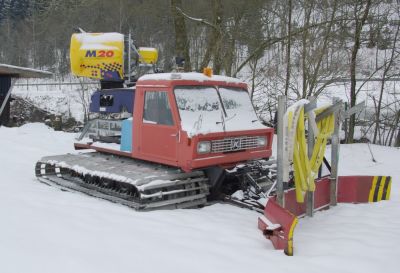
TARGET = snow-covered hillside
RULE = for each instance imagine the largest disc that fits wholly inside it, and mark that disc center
(43, 229)
(68, 97)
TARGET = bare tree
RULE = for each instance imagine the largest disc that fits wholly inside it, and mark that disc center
(387, 68)
(181, 40)
(288, 46)
(359, 23)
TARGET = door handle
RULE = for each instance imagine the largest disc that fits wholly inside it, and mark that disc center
(177, 135)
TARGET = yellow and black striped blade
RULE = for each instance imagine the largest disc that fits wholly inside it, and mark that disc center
(380, 188)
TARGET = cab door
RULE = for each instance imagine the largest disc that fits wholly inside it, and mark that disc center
(159, 130)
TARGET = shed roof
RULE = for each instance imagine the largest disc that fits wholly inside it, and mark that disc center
(22, 72)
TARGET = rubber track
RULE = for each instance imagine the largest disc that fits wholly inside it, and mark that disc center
(133, 183)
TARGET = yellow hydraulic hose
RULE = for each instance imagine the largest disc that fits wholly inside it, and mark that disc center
(305, 169)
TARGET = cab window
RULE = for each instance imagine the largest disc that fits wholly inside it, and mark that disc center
(157, 109)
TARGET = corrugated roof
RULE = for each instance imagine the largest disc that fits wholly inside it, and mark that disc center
(23, 72)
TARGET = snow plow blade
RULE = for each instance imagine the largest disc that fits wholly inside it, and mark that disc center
(364, 189)
(137, 184)
(278, 223)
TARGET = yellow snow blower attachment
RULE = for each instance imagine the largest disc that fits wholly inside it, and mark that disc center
(98, 55)
(101, 56)
(148, 55)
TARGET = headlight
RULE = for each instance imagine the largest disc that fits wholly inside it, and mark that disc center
(261, 141)
(203, 147)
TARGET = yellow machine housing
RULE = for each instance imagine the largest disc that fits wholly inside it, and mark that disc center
(148, 55)
(97, 55)
(101, 55)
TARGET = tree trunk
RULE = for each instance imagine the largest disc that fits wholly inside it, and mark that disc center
(395, 124)
(397, 143)
(353, 62)
(313, 81)
(289, 44)
(385, 71)
(181, 40)
(214, 43)
(307, 12)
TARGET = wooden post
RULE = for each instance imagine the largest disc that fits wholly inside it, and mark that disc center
(310, 147)
(335, 156)
(279, 174)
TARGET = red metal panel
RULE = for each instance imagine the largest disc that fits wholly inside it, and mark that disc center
(153, 142)
(281, 236)
(159, 141)
(292, 205)
(321, 197)
(322, 193)
(354, 189)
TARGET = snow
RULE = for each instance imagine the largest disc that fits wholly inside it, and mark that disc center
(191, 76)
(99, 38)
(201, 111)
(85, 171)
(68, 100)
(110, 146)
(98, 47)
(45, 230)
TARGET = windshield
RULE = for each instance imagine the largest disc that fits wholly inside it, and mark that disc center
(237, 103)
(201, 109)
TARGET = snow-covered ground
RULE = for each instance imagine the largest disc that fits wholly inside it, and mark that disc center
(43, 229)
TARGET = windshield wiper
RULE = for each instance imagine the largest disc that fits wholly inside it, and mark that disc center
(197, 125)
(230, 118)
(222, 121)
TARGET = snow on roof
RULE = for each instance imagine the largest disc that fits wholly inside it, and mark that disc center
(99, 38)
(190, 76)
(23, 72)
(98, 47)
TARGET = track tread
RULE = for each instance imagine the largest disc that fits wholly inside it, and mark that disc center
(120, 180)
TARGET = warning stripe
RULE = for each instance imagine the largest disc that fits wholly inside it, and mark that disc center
(389, 189)
(372, 190)
(381, 187)
(376, 190)
(289, 249)
(386, 188)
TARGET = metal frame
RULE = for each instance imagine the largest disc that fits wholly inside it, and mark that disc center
(282, 103)
(310, 145)
(337, 103)
(337, 110)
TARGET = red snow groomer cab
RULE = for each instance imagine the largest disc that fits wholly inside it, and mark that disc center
(193, 121)
(194, 125)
